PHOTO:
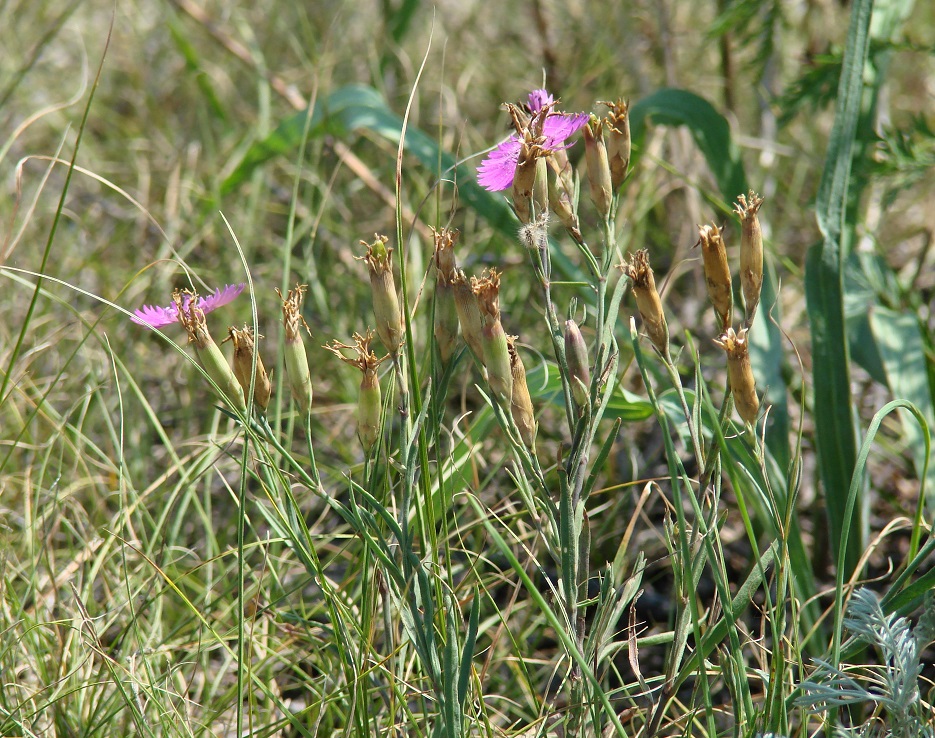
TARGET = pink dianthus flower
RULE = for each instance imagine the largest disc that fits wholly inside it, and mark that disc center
(157, 316)
(495, 173)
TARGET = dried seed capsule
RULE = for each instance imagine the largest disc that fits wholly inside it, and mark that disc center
(521, 402)
(618, 140)
(369, 401)
(469, 315)
(446, 312)
(296, 359)
(244, 351)
(595, 153)
(493, 339)
(383, 289)
(192, 318)
(562, 204)
(740, 373)
(648, 302)
(716, 271)
(576, 357)
(751, 252)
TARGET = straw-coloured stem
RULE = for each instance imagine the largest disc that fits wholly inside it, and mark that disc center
(716, 271)
(740, 373)
(648, 302)
(751, 252)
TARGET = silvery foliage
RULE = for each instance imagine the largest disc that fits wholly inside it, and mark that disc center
(892, 685)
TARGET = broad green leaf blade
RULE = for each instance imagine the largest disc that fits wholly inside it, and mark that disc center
(902, 349)
(824, 290)
(359, 108)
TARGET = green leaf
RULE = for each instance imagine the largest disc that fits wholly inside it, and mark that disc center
(903, 351)
(835, 432)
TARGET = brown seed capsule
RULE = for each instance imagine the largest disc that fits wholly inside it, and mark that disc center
(493, 339)
(576, 357)
(211, 357)
(244, 351)
(595, 153)
(716, 271)
(383, 289)
(521, 402)
(648, 302)
(296, 359)
(740, 373)
(369, 402)
(618, 140)
(751, 252)
(446, 312)
(469, 315)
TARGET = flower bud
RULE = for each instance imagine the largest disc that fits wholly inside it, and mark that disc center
(244, 352)
(521, 402)
(369, 402)
(740, 373)
(618, 140)
(446, 312)
(493, 339)
(562, 205)
(296, 360)
(595, 153)
(648, 302)
(716, 271)
(192, 318)
(383, 289)
(576, 357)
(472, 322)
(751, 252)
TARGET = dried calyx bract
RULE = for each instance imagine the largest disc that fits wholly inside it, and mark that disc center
(716, 271)
(369, 402)
(751, 252)
(296, 359)
(496, 354)
(648, 302)
(520, 401)
(386, 310)
(192, 318)
(740, 373)
(446, 311)
(244, 353)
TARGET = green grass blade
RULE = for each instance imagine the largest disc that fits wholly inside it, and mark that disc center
(824, 287)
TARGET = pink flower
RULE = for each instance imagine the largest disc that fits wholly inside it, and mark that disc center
(155, 316)
(496, 171)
